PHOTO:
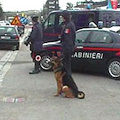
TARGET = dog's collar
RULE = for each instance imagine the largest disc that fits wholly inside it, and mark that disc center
(58, 69)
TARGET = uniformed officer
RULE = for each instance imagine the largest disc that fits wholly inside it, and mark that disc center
(35, 41)
(67, 39)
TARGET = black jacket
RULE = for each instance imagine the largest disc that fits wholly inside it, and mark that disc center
(68, 37)
(36, 38)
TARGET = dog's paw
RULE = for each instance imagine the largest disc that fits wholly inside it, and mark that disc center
(81, 95)
(55, 95)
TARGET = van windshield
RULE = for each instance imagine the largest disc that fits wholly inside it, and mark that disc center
(50, 21)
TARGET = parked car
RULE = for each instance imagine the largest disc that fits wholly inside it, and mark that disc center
(9, 37)
(4, 23)
(95, 49)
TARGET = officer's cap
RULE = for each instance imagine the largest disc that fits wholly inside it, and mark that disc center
(66, 14)
(34, 18)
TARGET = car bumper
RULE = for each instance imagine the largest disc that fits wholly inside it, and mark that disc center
(10, 43)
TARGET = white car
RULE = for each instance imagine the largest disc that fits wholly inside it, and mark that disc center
(115, 29)
(3, 23)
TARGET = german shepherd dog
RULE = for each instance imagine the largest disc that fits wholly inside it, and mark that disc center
(65, 82)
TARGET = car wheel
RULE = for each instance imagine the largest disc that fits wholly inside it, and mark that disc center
(113, 69)
(14, 48)
(45, 63)
(17, 48)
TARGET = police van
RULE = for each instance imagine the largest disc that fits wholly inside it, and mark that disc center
(53, 24)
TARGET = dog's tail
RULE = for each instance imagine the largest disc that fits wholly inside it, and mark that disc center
(81, 95)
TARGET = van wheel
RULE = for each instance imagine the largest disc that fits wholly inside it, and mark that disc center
(113, 69)
(45, 63)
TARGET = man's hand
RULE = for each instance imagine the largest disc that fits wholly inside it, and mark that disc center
(26, 43)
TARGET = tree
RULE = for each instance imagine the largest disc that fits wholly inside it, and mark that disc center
(69, 6)
(1, 12)
(45, 11)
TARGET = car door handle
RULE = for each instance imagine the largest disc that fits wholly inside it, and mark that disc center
(80, 47)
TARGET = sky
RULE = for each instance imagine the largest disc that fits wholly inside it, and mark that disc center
(19, 5)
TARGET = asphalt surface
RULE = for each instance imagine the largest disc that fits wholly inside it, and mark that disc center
(31, 97)
(2, 53)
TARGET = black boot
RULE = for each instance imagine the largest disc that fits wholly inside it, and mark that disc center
(35, 71)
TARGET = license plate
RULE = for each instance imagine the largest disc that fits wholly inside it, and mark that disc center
(5, 37)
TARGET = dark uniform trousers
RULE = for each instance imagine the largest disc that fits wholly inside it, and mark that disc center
(36, 59)
(67, 61)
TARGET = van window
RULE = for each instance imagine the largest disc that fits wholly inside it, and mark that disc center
(50, 21)
(91, 18)
(60, 20)
(83, 20)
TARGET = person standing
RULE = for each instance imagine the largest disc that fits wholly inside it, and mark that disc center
(35, 40)
(68, 36)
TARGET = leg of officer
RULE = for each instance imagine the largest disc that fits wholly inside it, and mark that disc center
(67, 61)
(36, 61)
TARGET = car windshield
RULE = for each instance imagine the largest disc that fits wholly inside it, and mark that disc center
(9, 30)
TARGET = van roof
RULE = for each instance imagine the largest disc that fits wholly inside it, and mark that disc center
(89, 10)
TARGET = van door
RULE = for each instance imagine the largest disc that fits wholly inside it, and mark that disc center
(52, 28)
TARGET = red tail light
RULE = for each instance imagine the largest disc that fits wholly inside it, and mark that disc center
(16, 37)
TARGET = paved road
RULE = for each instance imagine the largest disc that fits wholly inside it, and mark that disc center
(2, 53)
(30, 97)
